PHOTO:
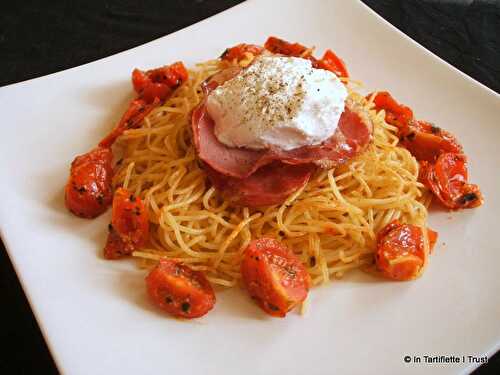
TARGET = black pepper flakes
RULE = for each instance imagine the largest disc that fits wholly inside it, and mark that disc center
(100, 199)
(185, 306)
(273, 307)
(435, 129)
(469, 197)
(312, 261)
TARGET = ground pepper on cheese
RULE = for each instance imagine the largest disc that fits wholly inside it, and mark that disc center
(280, 102)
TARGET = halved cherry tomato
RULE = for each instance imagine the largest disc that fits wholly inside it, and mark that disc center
(426, 141)
(137, 110)
(330, 61)
(88, 191)
(400, 250)
(447, 179)
(153, 87)
(171, 76)
(395, 114)
(280, 46)
(129, 228)
(274, 276)
(155, 91)
(238, 52)
(139, 80)
(179, 290)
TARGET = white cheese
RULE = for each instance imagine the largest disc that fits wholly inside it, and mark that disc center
(280, 102)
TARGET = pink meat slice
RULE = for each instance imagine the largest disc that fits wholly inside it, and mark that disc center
(353, 134)
(269, 185)
(266, 177)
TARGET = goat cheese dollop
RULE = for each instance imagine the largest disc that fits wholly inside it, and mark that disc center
(277, 102)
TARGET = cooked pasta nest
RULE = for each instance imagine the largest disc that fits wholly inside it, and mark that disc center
(330, 223)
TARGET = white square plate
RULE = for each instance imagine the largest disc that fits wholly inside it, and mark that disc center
(94, 313)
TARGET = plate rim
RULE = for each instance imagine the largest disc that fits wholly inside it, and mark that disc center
(5, 238)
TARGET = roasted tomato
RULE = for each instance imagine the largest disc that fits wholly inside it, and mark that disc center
(88, 192)
(395, 114)
(153, 87)
(280, 46)
(426, 141)
(159, 82)
(330, 61)
(400, 250)
(129, 228)
(447, 179)
(238, 52)
(137, 110)
(274, 276)
(179, 290)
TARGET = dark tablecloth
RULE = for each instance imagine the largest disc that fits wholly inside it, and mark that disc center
(38, 38)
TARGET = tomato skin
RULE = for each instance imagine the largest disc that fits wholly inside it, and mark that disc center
(238, 52)
(447, 179)
(442, 162)
(129, 227)
(152, 87)
(179, 290)
(139, 80)
(400, 251)
(280, 46)
(169, 77)
(274, 277)
(88, 192)
(172, 75)
(137, 110)
(330, 61)
(426, 141)
(395, 114)
(156, 91)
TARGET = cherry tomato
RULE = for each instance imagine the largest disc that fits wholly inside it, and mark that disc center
(395, 114)
(426, 141)
(171, 76)
(447, 179)
(280, 46)
(137, 110)
(158, 91)
(400, 251)
(238, 52)
(139, 80)
(153, 87)
(88, 191)
(330, 61)
(179, 290)
(129, 228)
(274, 276)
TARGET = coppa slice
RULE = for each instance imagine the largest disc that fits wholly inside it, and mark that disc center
(269, 185)
(353, 134)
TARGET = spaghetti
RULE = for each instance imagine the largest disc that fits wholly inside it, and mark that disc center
(330, 223)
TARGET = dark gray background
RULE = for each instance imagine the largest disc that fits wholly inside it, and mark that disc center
(42, 37)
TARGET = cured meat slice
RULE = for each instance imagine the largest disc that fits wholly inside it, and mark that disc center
(353, 134)
(269, 185)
